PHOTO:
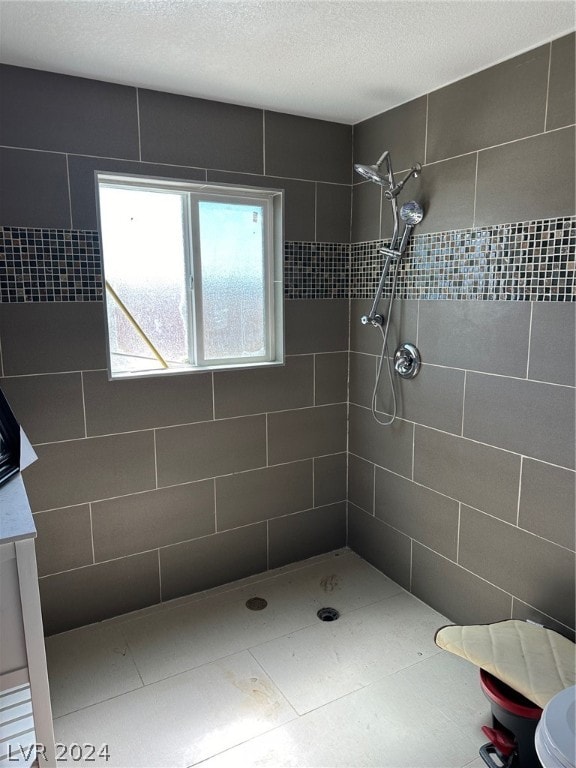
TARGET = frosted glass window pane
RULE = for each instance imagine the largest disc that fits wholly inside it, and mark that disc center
(233, 279)
(144, 259)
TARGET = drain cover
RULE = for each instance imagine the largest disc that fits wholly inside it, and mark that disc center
(256, 603)
(328, 614)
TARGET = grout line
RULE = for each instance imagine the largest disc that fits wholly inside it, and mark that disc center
(413, 450)
(267, 545)
(519, 491)
(463, 403)
(83, 403)
(315, 211)
(313, 482)
(138, 122)
(159, 576)
(314, 380)
(475, 191)
(213, 399)
(458, 532)
(69, 191)
(374, 491)
(215, 506)
(426, 130)
(418, 301)
(529, 340)
(410, 567)
(155, 460)
(548, 85)
(266, 431)
(91, 533)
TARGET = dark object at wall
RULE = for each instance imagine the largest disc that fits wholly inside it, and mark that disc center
(9, 442)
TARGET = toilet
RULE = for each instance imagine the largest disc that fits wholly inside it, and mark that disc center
(555, 738)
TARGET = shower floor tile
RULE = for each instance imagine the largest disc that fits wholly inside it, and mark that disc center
(206, 679)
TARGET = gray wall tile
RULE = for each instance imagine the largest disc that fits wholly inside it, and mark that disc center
(433, 398)
(363, 370)
(528, 417)
(33, 189)
(446, 192)
(238, 393)
(459, 595)
(299, 200)
(424, 515)
(153, 519)
(529, 179)
(316, 325)
(389, 447)
(250, 497)
(304, 148)
(477, 335)
(367, 339)
(333, 213)
(538, 572)
(329, 479)
(553, 343)
(382, 546)
(44, 110)
(366, 206)
(305, 433)
(402, 131)
(479, 475)
(83, 187)
(297, 537)
(91, 594)
(132, 404)
(181, 130)
(64, 539)
(49, 407)
(32, 337)
(499, 104)
(211, 561)
(331, 377)
(526, 612)
(85, 470)
(211, 448)
(361, 483)
(561, 88)
(547, 502)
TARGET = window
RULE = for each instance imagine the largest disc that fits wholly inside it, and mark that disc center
(193, 275)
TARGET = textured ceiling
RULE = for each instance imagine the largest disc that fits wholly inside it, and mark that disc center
(331, 59)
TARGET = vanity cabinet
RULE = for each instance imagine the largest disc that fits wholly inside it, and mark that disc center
(25, 710)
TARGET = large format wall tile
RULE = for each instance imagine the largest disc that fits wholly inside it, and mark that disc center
(530, 179)
(333, 213)
(329, 479)
(319, 325)
(424, 515)
(547, 502)
(304, 148)
(527, 417)
(250, 497)
(213, 560)
(32, 337)
(363, 370)
(25, 178)
(181, 130)
(366, 212)
(49, 407)
(239, 393)
(382, 546)
(153, 519)
(533, 569)
(561, 89)
(479, 475)
(209, 449)
(330, 378)
(77, 471)
(553, 343)
(458, 594)
(477, 335)
(389, 447)
(44, 110)
(361, 483)
(132, 404)
(367, 339)
(297, 537)
(499, 104)
(97, 592)
(305, 433)
(525, 612)
(64, 539)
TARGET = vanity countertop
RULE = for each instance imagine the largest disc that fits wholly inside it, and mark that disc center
(16, 521)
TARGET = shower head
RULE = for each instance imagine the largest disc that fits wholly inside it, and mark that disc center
(412, 213)
(372, 173)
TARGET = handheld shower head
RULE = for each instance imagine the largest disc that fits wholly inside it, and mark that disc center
(412, 213)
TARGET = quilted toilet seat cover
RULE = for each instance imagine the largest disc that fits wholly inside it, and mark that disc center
(535, 661)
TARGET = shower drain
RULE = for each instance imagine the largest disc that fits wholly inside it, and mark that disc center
(256, 603)
(328, 614)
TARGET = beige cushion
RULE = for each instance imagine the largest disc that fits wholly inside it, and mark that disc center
(536, 662)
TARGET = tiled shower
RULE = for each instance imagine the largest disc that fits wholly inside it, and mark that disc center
(172, 486)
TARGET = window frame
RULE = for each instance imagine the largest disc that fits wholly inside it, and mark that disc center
(271, 200)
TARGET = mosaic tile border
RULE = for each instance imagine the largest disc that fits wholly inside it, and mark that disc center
(525, 261)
